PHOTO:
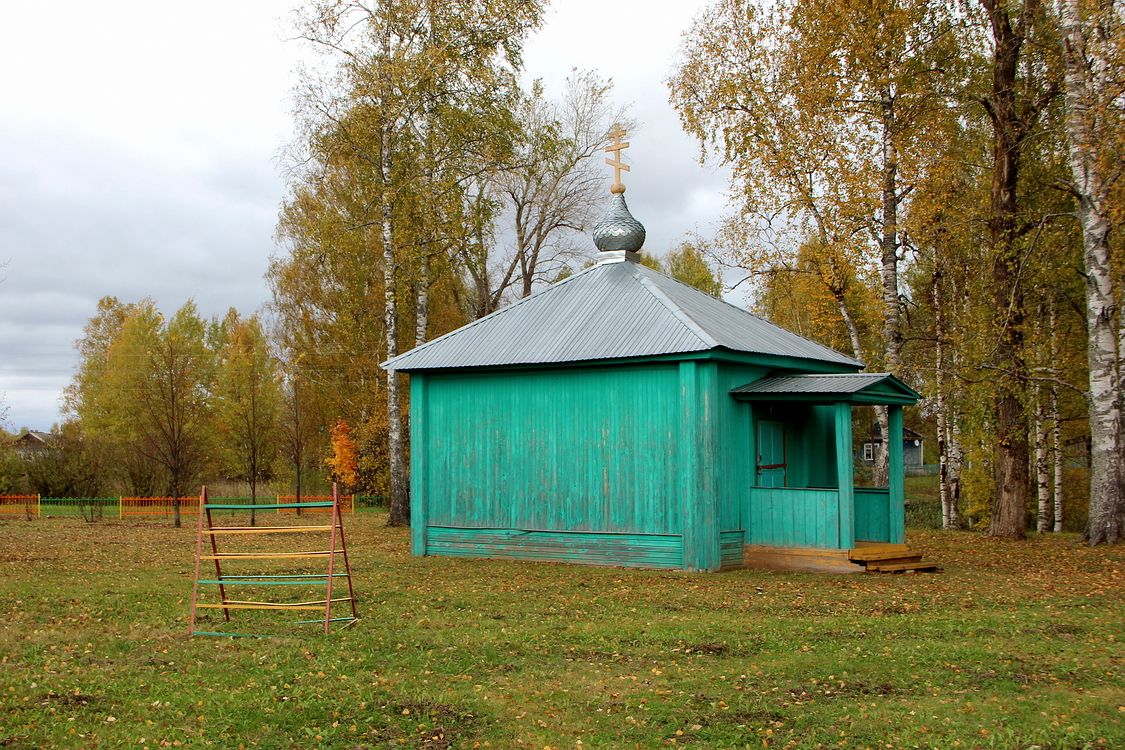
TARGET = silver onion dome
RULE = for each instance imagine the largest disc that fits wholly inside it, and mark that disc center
(618, 230)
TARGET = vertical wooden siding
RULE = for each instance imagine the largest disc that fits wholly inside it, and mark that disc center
(872, 514)
(794, 518)
(590, 449)
(735, 449)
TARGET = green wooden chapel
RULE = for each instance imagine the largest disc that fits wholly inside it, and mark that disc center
(620, 417)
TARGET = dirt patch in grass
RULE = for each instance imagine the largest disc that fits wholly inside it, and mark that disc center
(70, 700)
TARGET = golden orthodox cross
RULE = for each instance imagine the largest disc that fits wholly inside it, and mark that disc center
(615, 148)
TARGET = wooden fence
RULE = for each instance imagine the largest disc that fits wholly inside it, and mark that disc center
(156, 506)
(19, 505)
(34, 506)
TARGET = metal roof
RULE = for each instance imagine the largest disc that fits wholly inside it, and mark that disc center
(881, 386)
(611, 310)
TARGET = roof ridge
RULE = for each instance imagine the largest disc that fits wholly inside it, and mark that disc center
(493, 314)
(744, 311)
(676, 311)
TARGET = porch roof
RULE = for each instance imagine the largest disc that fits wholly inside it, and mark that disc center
(874, 388)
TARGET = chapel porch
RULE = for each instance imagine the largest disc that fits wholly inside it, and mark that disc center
(804, 510)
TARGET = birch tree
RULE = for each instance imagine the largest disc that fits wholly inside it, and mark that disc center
(411, 75)
(821, 106)
(1093, 86)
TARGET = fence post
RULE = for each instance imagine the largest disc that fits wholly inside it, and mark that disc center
(38, 506)
(120, 510)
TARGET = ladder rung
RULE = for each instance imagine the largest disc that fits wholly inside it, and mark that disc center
(265, 506)
(263, 529)
(317, 602)
(319, 607)
(323, 581)
(265, 555)
(333, 619)
(228, 635)
(257, 576)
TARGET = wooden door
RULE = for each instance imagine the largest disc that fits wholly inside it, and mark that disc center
(771, 453)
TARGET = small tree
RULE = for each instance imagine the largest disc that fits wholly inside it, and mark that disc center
(687, 264)
(343, 464)
(72, 465)
(247, 402)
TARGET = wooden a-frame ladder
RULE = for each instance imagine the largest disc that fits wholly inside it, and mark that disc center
(337, 548)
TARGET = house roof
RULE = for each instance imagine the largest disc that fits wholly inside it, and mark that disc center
(609, 311)
(876, 434)
(855, 388)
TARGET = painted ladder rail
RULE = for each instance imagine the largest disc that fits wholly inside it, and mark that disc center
(337, 546)
(290, 504)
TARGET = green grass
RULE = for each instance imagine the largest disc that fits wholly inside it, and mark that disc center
(1014, 645)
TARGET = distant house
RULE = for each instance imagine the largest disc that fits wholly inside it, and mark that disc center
(32, 443)
(912, 447)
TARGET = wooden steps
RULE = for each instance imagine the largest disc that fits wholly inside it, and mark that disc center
(889, 558)
(865, 557)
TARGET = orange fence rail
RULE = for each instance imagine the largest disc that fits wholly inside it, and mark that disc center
(347, 503)
(156, 506)
(19, 505)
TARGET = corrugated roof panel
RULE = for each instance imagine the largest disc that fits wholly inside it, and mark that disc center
(609, 311)
(736, 328)
(826, 384)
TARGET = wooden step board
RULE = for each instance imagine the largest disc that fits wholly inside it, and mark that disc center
(890, 558)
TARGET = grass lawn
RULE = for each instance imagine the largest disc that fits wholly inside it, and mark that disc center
(1014, 645)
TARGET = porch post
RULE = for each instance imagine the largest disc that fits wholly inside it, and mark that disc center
(844, 475)
(419, 477)
(896, 495)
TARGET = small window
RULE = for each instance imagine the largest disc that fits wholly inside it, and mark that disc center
(868, 452)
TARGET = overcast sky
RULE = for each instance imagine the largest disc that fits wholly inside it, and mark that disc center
(139, 148)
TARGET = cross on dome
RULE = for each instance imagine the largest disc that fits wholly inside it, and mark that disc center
(615, 148)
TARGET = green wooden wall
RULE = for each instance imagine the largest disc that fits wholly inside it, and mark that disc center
(788, 517)
(573, 450)
(872, 514)
(647, 465)
(590, 449)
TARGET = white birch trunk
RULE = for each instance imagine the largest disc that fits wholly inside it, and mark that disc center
(422, 306)
(948, 511)
(399, 500)
(1042, 474)
(1056, 449)
(1056, 423)
(1086, 79)
(892, 334)
(956, 457)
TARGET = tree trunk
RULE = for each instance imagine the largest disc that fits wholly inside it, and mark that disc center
(881, 473)
(849, 324)
(1009, 510)
(400, 501)
(422, 306)
(956, 460)
(1042, 475)
(1057, 455)
(892, 333)
(1053, 418)
(1086, 66)
(948, 506)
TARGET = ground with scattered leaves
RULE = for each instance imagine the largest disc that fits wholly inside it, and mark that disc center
(1014, 645)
